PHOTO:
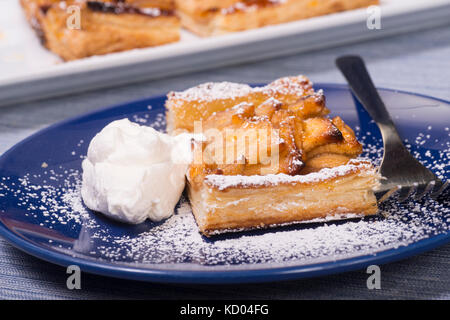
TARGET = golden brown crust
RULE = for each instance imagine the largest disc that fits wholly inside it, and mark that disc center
(245, 206)
(162, 4)
(301, 138)
(308, 171)
(105, 26)
(218, 17)
(200, 102)
(113, 25)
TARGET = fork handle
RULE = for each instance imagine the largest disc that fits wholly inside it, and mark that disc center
(354, 70)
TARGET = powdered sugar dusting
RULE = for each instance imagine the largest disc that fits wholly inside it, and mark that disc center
(222, 182)
(47, 201)
(297, 85)
(158, 123)
(212, 91)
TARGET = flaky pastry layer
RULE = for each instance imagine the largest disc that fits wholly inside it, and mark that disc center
(315, 175)
(200, 102)
(229, 203)
(105, 26)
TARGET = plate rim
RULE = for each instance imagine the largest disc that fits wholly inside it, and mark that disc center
(251, 275)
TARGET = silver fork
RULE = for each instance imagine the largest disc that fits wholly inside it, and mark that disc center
(402, 172)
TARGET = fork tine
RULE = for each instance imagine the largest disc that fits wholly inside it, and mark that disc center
(421, 193)
(406, 192)
(440, 188)
(389, 194)
(398, 166)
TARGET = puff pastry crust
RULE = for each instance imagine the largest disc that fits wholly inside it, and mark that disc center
(106, 26)
(308, 171)
(213, 17)
(234, 203)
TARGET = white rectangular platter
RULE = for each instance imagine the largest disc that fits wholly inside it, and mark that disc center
(28, 71)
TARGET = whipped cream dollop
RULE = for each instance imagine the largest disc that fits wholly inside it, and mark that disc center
(134, 172)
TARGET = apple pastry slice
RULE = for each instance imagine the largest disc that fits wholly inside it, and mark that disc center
(105, 26)
(269, 156)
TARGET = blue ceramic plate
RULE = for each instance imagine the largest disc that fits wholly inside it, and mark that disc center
(41, 211)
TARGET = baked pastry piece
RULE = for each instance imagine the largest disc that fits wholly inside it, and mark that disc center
(106, 26)
(212, 17)
(269, 156)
